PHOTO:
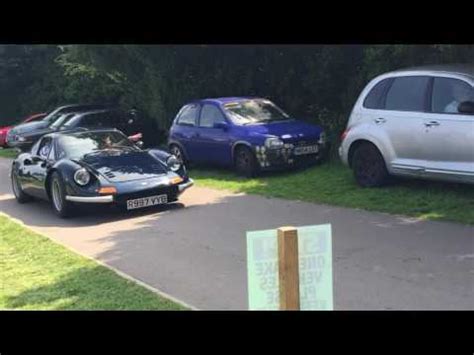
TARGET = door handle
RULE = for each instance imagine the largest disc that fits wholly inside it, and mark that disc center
(380, 120)
(431, 123)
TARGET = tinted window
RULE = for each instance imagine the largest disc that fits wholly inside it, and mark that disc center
(96, 120)
(407, 94)
(375, 97)
(188, 115)
(449, 93)
(210, 114)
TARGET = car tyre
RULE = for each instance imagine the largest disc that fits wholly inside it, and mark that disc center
(57, 193)
(20, 195)
(369, 166)
(245, 162)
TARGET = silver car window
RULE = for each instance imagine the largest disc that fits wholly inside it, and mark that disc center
(407, 94)
(448, 93)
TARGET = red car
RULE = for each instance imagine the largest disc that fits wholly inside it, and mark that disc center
(4, 130)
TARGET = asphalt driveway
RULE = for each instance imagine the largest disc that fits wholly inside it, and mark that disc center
(195, 250)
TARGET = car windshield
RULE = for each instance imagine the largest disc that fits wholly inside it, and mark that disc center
(61, 120)
(254, 111)
(52, 117)
(87, 143)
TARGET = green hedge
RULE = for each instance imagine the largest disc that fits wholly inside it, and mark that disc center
(317, 83)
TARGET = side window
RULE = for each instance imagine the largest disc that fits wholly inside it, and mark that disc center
(188, 115)
(449, 93)
(210, 114)
(45, 147)
(34, 148)
(95, 121)
(52, 152)
(407, 94)
(374, 98)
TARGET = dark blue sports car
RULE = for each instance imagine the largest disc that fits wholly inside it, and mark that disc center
(249, 134)
(98, 166)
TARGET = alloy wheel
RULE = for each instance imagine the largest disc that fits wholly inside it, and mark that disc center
(57, 198)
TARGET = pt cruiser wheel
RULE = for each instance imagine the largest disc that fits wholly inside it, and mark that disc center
(369, 166)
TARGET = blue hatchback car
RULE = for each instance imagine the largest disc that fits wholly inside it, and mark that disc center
(248, 133)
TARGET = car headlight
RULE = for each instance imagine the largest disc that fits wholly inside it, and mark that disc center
(173, 163)
(82, 177)
(274, 143)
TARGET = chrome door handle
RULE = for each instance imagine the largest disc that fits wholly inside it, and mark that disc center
(431, 123)
(380, 120)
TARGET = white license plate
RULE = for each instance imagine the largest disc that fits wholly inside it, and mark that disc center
(147, 201)
(309, 149)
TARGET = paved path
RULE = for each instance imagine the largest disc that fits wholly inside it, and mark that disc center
(196, 251)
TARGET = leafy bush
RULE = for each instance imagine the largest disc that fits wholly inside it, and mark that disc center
(317, 83)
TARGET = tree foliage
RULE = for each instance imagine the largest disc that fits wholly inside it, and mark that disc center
(318, 83)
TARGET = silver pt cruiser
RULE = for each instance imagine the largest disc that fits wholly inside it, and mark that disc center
(416, 122)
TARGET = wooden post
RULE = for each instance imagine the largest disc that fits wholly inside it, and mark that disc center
(288, 272)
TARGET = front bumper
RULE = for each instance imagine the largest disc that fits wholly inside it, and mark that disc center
(271, 159)
(91, 199)
(184, 186)
(174, 191)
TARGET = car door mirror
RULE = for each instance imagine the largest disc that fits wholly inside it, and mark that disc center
(139, 144)
(221, 125)
(466, 107)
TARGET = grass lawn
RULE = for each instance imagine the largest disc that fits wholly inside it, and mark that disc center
(36, 273)
(8, 153)
(333, 183)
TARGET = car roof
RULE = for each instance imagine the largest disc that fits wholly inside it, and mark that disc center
(462, 69)
(91, 112)
(224, 100)
(97, 106)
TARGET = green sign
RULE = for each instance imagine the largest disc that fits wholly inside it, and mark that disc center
(315, 268)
